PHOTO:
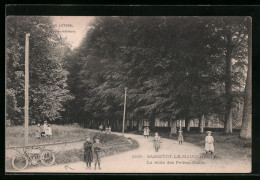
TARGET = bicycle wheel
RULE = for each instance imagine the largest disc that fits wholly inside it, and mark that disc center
(47, 158)
(20, 162)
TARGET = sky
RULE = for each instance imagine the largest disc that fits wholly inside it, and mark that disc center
(73, 28)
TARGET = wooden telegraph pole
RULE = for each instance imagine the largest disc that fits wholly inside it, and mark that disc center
(123, 130)
(26, 89)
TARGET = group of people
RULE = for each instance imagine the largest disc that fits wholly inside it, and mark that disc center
(209, 140)
(43, 131)
(107, 129)
(92, 152)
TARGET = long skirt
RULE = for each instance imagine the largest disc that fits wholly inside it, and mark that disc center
(88, 156)
(180, 138)
(209, 147)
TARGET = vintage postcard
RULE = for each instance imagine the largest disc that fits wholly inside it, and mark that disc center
(128, 94)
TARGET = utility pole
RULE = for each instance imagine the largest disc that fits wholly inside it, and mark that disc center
(26, 89)
(123, 130)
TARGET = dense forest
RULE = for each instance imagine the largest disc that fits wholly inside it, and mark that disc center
(174, 68)
(48, 89)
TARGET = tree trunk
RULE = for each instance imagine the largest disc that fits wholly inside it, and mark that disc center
(228, 121)
(89, 124)
(84, 123)
(201, 123)
(246, 130)
(228, 87)
(92, 123)
(132, 124)
(140, 125)
(68, 114)
(125, 127)
(118, 125)
(152, 124)
(187, 124)
(173, 127)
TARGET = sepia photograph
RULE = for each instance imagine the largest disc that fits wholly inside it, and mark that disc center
(128, 94)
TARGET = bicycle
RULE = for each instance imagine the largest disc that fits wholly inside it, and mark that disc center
(31, 156)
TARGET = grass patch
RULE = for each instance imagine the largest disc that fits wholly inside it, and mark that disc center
(111, 143)
(227, 146)
(76, 155)
(68, 133)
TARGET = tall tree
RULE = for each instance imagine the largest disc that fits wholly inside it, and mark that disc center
(231, 35)
(172, 66)
(47, 86)
(246, 131)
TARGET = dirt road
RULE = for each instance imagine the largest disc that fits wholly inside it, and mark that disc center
(171, 158)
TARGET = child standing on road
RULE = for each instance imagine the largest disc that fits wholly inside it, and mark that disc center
(88, 154)
(157, 139)
(147, 132)
(209, 146)
(97, 153)
(180, 137)
(109, 129)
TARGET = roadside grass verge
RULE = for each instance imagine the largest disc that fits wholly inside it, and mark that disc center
(76, 155)
(227, 146)
(15, 135)
(111, 143)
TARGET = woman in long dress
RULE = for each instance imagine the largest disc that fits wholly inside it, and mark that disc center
(209, 146)
(88, 154)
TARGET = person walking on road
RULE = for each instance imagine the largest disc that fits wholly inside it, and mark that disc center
(157, 142)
